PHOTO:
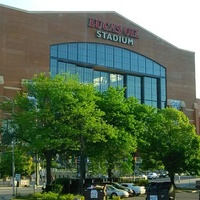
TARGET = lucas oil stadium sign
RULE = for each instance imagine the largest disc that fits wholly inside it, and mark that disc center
(113, 32)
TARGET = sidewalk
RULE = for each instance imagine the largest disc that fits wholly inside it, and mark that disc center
(6, 192)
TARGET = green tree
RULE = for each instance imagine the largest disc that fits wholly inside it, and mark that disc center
(170, 140)
(23, 162)
(119, 113)
(61, 116)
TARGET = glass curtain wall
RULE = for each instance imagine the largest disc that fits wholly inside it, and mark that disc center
(106, 65)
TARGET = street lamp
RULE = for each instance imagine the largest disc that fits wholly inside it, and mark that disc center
(13, 167)
(13, 149)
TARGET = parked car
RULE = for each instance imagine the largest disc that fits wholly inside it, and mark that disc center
(152, 175)
(113, 191)
(143, 176)
(119, 186)
(163, 175)
(137, 190)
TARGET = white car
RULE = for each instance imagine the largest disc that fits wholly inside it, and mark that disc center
(112, 191)
(152, 175)
(135, 188)
(143, 176)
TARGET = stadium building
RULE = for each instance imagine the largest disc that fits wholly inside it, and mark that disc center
(104, 48)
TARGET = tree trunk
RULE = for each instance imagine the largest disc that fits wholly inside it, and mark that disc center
(171, 176)
(109, 173)
(48, 156)
(82, 172)
(37, 175)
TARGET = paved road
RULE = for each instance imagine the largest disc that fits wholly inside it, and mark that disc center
(185, 182)
(6, 193)
(179, 196)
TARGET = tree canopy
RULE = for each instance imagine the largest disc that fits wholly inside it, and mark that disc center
(170, 141)
(59, 114)
(118, 113)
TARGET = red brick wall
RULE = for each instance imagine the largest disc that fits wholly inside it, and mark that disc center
(25, 38)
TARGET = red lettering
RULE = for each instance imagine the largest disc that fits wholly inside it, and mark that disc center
(91, 22)
(112, 28)
(134, 33)
(99, 24)
(127, 31)
(118, 29)
(105, 26)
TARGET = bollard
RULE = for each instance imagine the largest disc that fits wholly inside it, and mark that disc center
(34, 187)
(199, 194)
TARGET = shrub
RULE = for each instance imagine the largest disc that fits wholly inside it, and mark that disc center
(141, 182)
(116, 198)
(57, 188)
(50, 196)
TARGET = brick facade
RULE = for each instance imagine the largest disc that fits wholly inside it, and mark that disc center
(25, 39)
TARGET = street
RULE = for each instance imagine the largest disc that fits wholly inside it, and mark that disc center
(7, 192)
(187, 182)
(179, 196)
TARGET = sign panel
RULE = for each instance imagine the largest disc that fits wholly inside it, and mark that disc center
(153, 197)
(17, 177)
(113, 32)
(94, 194)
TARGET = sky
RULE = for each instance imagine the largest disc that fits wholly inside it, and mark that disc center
(176, 21)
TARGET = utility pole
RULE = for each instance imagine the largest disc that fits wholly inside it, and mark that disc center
(13, 167)
(13, 147)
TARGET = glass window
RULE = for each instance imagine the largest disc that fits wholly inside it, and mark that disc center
(62, 51)
(91, 55)
(72, 51)
(130, 90)
(82, 52)
(113, 80)
(149, 66)
(118, 58)
(80, 73)
(162, 71)
(163, 89)
(141, 63)
(71, 68)
(134, 87)
(88, 75)
(163, 104)
(147, 102)
(147, 89)
(109, 56)
(53, 51)
(134, 62)
(154, 89)
(156, 69)
(100, 54)
(150, 91)
(97, 80)
(138, 88)
(104, 81)
(83, 58)
(120, 80)
(116, 80)
(61, 67)
(53, 67)
(126, 59)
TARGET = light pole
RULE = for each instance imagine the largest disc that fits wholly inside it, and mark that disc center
(13, 167)
(13, 150)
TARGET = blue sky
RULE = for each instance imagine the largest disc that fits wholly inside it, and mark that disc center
(176, 21)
